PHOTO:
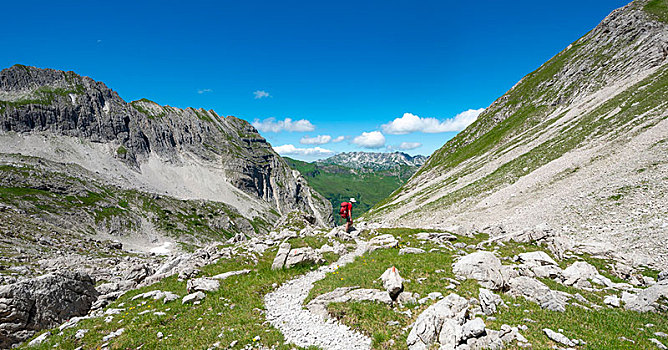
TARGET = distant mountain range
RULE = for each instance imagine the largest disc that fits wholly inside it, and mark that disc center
(367, 176)
(375, 160)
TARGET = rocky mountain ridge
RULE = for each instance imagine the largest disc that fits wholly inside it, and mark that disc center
(375, 160)
(578, 146)
(188, 153)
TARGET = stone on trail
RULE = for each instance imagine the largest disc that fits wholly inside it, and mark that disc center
(303, 256)
(191, 298)
(482, 266)
(392, 282)
(203, 284)
(281, 256)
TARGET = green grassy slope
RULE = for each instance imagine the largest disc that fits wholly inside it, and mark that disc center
(338, 183)
(536, 103)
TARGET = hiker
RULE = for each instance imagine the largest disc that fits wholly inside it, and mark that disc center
(346, 213)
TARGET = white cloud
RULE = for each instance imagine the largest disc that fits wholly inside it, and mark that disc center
(202, 91)
(405, 146)
(261, 94)
(318, 140)
(339, 139)
(290, 150)
(373, 139)
(271, 125)
(412, 123)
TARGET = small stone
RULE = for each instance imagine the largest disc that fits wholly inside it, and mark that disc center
(658, 343)
(159, 335)
(558, 337)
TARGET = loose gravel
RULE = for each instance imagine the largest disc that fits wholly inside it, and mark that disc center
(285, 311)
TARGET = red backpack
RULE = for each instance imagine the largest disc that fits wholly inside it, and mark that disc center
(344, 209)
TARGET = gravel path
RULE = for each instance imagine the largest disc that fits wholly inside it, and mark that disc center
(286, 312)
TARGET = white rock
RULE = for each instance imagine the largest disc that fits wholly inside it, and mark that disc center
(612, 300)
(473, 328)
(192, 298)
(203, 284)
(226, 275)
(39, 340)
(558, 337)
(382, 242)
(410, 250)
(281, 256)
(482, 266)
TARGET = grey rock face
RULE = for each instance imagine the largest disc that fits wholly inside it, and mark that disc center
(44, 302)
(66, 104)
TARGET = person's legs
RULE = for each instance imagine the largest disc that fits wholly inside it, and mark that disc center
(349, 223)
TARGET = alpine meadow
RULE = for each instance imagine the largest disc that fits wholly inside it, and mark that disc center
(538, 222)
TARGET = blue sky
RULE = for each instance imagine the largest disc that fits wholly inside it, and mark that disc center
(338, 69)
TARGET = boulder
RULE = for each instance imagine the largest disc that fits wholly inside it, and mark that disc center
(281, 256)
(482, 266)
(392, 282)
(473, 328)
(536, 258)
(435, 236)
(306, 255)
(663, 275)
(191, 298)
(410, 250)
(558, 337)
(648, 299)
(138, 273)
(43, 302)
(612, 300)
(440, 322)
(204, 284)
(489, 301)
(382, 242)
(536, 291)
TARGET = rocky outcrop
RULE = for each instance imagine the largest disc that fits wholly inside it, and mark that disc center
(482, 266)
(64, 104)
(46, 301)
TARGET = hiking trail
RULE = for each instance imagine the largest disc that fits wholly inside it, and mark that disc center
(285, 311)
